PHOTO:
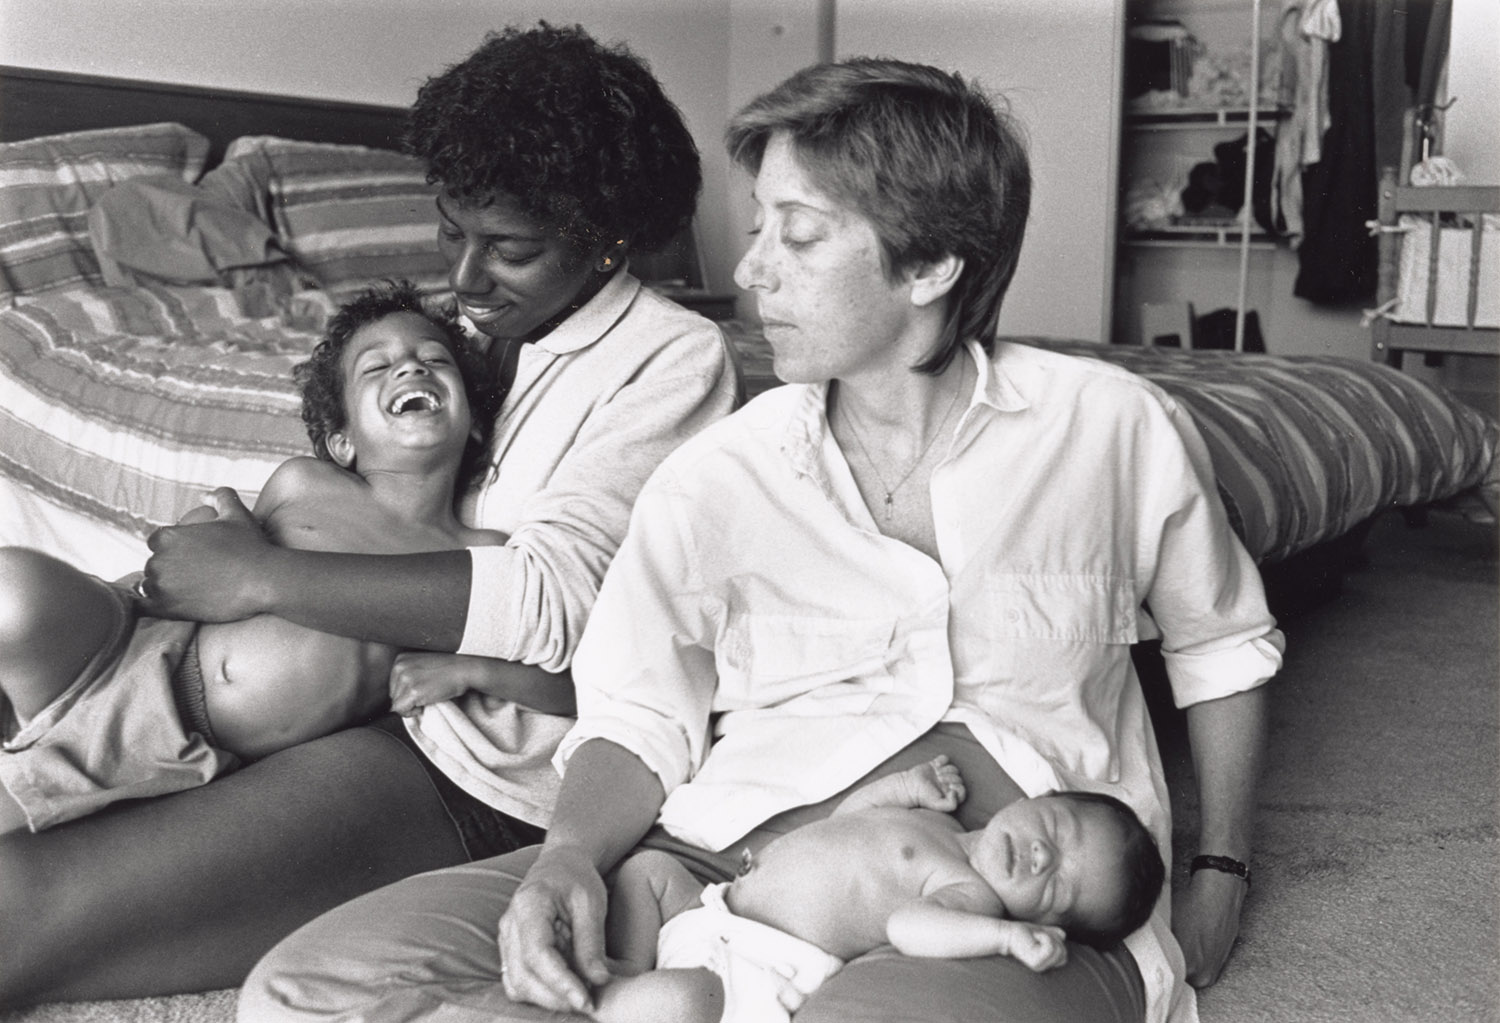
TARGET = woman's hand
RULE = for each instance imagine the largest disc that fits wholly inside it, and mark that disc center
(1206, 920)
(552, 935)
(419, 679)
(204, 571)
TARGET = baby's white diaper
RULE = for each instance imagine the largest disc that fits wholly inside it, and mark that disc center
(762, 969)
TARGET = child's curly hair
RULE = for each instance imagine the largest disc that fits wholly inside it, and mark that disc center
(321, 377)
(579, 133)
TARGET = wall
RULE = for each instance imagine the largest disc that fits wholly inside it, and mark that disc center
(1057, 61)
(376, 51)
(1470, 139)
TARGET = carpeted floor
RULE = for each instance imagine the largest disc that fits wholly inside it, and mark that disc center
(1377, 894)
(1377, 870)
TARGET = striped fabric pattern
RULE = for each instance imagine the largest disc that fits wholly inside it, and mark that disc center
(350, 215)
(1304, 447)
(129, 404)
(48, 183)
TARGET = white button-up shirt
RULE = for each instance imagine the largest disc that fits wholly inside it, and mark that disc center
(760, 645)
(595, 406)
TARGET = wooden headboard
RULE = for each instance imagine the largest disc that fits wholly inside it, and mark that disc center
(35, 102)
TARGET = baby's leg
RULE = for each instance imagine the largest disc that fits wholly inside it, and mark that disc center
(932, 785)
(646, 891)
(53, 620)
(662, 996)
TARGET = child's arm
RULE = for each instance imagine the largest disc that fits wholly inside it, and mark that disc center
(939, 926)
(934, 785)
(420, 678)
(647, 889)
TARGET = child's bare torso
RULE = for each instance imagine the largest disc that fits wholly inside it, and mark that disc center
(268, 683)
(835, 882)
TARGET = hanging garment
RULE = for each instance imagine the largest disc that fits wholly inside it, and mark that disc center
(1337, 261)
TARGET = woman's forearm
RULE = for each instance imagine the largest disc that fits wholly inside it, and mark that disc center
(417, 601)
(608, 802)
(1227, 738)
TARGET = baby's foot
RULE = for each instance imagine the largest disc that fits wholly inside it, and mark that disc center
(935, 785)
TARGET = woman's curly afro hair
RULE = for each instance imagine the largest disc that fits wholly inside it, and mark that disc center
(579, 133)
(321, 376)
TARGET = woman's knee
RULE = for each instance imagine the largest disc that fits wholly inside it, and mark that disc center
(427, 939)
(26, 578)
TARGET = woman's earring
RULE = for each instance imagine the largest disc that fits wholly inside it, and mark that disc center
(606, 264)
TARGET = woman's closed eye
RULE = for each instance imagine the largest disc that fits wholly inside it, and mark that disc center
(500, 253)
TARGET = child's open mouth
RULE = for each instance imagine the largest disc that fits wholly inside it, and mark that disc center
(416, 401)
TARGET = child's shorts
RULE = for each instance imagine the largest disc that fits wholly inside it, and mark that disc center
(761, 967)
(132, 725)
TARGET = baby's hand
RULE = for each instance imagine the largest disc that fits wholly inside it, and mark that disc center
(419, 679)
(1041, 948)
(935, 785)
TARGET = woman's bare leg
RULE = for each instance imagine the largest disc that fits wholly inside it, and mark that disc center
(54, 620)
(186, 892)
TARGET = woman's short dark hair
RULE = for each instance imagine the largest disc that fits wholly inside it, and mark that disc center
(321, 377)
(933, 162)
(1142, 872)
(579, 133)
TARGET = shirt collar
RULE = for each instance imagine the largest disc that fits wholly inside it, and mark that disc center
(996, 388)
(807, 428)
(589, 323)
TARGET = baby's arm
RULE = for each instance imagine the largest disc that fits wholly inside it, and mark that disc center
(646, 891)
(943, 926)
(934, 785)
(420, 678)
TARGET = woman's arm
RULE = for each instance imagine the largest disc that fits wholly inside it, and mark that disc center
(420, 679)
(552, 936)
(1227, 738)
(934, 928)
(226, 570)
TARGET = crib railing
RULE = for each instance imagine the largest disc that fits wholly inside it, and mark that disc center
(1451, 215)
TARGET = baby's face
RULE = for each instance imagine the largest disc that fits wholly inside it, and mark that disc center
(402, 389)
(1053, 861)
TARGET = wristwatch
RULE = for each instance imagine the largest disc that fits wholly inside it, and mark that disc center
(1226, 864)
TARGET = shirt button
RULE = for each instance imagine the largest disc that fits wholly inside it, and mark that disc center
(1013, 615)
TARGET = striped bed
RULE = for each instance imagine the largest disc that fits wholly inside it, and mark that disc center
(1305, 448)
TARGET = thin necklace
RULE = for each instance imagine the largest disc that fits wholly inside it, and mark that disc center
(890, 490)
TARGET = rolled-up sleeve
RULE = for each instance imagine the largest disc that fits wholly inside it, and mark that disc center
(530, 599)
(1206, 596)
(644, 672)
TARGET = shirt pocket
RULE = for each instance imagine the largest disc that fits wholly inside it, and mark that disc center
(1065, 608)
(766, 659)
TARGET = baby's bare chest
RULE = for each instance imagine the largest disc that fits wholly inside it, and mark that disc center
(836, 883)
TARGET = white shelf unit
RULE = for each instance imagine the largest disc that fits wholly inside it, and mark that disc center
(1161, 142)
